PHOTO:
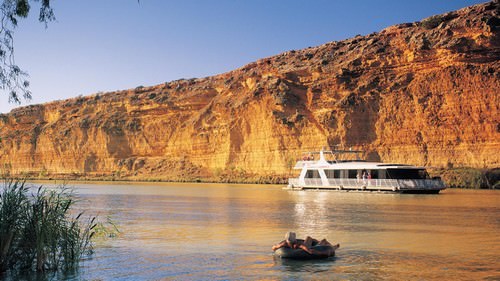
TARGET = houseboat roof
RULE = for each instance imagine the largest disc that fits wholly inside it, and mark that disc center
(352, 165)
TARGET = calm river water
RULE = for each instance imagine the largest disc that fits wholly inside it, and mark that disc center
(225, 232)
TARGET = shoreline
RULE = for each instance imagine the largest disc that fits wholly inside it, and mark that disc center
(137, 181)
(469, 178)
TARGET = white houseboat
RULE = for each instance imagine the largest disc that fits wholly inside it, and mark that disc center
(350, 173)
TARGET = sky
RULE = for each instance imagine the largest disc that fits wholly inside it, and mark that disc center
(107, 45)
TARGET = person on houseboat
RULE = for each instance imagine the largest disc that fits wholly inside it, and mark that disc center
(365, 176)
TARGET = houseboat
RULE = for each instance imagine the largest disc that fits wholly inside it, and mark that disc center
(344, 170)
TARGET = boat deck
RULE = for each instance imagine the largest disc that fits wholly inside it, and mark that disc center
(387, 185)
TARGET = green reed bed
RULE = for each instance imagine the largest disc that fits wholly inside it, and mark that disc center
(37, 231)
(472, 178)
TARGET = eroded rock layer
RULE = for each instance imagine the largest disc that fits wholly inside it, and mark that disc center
(424, 93)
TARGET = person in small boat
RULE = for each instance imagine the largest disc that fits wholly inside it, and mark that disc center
(289, 242)
(292, 242)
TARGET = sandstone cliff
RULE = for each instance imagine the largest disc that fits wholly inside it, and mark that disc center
(424, 93)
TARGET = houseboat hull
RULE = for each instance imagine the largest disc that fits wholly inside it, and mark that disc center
(387, 186)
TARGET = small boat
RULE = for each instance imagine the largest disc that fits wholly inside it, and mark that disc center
(333, 170)
(299, 254)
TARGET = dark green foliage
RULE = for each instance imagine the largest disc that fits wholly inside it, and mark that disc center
(308, 56)
(114, 125)
(471, 178)
(432, 22)
(22, 8)
(350, 101)
(238, 175)
(493, 178)
(85, 123)
(12, 78)
(13, 201)
(134, 125)
(435, 21)
(37, 232)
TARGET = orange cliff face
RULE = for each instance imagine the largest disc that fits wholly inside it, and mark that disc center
(424, 93)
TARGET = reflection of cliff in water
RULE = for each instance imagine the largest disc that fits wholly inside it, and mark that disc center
(215, 231)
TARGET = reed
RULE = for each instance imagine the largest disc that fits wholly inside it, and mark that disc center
(13, 203)
(37, 231)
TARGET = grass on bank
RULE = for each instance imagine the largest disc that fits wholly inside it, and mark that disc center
(463, 177)
(37, 231)
(470, 178)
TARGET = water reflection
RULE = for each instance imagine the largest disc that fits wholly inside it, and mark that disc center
(225, 232)
(310, 266)
(71, 274)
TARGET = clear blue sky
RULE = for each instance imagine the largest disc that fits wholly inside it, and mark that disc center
(105, 45)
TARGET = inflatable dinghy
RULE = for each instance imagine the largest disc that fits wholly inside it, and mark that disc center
(299, 254)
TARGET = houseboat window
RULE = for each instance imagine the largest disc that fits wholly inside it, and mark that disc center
(418, 174)
(312, 174)
(381, 174)
(352, 174)
(332, 174)
(373, 174)
(329, 174)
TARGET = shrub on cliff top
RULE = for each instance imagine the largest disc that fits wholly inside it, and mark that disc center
(432, 22)
(435, 21)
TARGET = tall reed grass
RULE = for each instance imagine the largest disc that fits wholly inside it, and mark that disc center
(37, 231)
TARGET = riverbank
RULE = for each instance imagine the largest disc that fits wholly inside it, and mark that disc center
(238, 177)
(470, 178)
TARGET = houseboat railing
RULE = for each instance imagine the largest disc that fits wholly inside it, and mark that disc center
(421, 184)
(313, 182)
(371, 183)
(293, 181)
(361, 182)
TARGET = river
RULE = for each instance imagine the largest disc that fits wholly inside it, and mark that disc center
(225, 232)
